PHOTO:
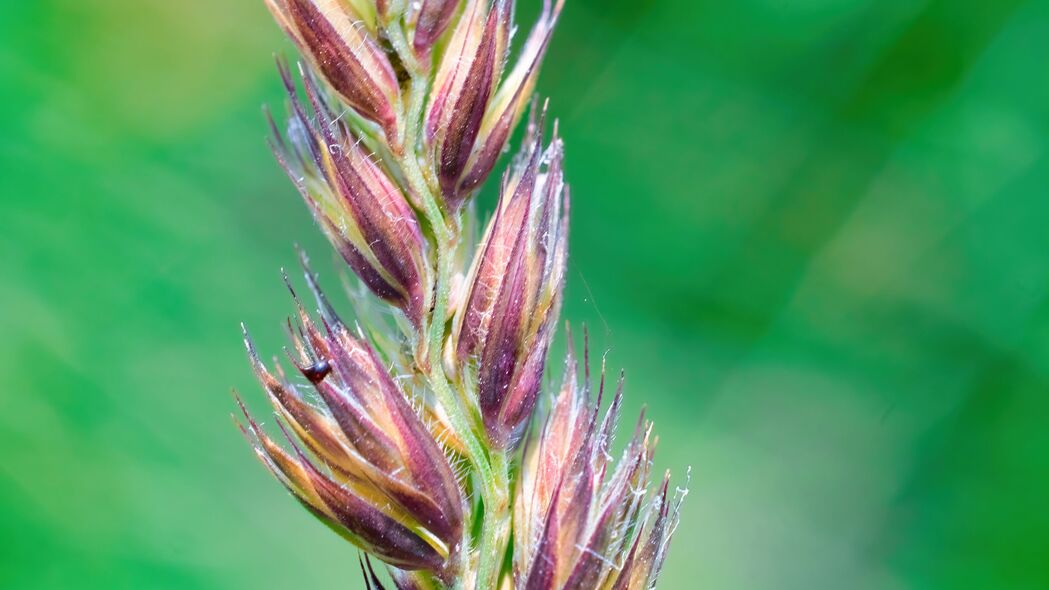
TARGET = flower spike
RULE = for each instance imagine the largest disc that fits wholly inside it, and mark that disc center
(576, 525)
(471, 114)
(508, 103)
(505, 327)
(340, 507)
(418, 431)
(361, 209)
(432, 20)
(339, 46)
(370, 439)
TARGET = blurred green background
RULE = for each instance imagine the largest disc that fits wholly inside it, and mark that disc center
(812, 231)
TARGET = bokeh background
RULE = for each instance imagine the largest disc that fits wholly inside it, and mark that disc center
(812, 231)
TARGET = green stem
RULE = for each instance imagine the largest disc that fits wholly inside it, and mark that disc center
(491, 468)
(495, 529)
(399, 42)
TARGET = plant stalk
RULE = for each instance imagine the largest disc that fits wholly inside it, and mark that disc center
(491, 468)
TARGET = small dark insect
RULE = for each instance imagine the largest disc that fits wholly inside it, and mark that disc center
(317, 371)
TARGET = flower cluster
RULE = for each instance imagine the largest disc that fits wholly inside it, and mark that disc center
(411, 439)
(578, 523)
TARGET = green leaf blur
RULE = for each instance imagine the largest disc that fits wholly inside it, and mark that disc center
(812, 232)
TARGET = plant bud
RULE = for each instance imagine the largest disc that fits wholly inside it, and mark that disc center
(361, 209)
(337, 42)
(470, 114)
(431, 20)
(343, 507)
(508, 104)
(505, 324)
(575, 525)
(383, 479)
